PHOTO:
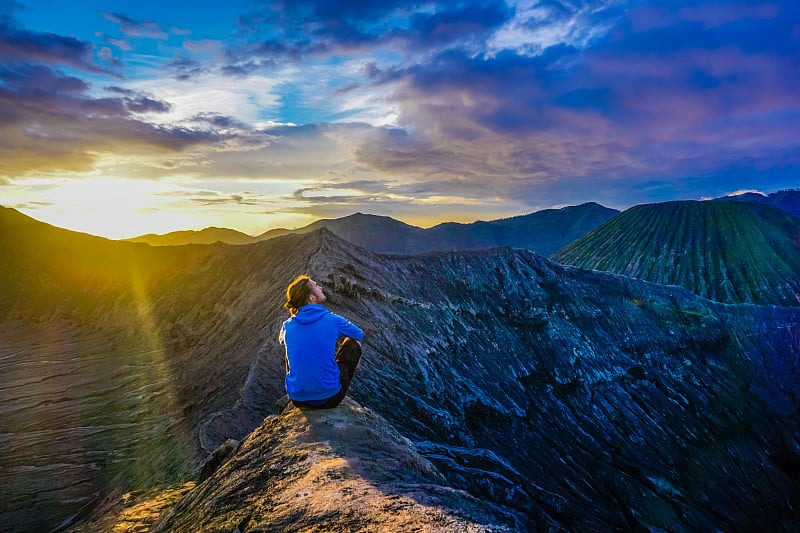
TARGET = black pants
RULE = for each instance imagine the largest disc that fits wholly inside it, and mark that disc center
(347, 357)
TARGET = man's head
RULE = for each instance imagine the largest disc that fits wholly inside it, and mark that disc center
(303, 290)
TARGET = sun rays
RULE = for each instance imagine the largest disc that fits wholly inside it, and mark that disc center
(160, 403)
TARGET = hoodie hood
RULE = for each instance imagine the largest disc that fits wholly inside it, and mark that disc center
(310, 313)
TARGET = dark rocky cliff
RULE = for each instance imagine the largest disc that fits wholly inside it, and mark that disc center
(592, 401)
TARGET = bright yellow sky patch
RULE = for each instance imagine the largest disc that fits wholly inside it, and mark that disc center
(114, 208)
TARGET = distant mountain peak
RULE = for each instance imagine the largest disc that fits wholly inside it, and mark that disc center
(787, 200)
(543, 232)
(209, 235)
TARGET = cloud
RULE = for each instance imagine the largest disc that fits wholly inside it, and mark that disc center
(186, 69)
(107, 56)
(537, 26)
(490, 120)
(19, 206)
(626, 108)
(219, 199)
(742, 192)
(51, 123)
(292, 31)
(458, 25)
(392, 198)
(716, 15)
(709, 15)
(136, 28)
(247, 98)
(18, 45)
(118, 43)
(139, 103)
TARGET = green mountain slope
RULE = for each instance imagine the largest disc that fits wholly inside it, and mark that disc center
(732, 252)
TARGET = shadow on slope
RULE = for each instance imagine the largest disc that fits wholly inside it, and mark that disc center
(117, 351)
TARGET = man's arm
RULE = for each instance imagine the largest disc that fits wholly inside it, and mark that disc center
(348, 329)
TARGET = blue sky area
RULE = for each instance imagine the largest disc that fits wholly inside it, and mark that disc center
(121, 118)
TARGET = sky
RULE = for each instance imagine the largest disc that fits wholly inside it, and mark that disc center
(121, 118)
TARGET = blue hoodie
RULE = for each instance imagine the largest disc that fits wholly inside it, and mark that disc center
(310, 338)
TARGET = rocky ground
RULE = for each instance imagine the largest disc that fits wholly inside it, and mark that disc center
(344, 469)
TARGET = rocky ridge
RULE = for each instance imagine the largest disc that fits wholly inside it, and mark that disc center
(344, 469)
(209, 235)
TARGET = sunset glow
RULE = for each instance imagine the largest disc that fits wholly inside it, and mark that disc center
(115, 208)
